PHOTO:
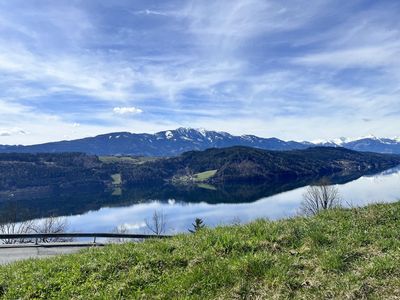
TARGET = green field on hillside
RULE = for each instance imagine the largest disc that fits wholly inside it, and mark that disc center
(116, 179)
(198, 178)
(339, 254)
(203, 176)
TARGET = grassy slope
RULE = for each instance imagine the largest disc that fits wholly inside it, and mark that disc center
(198, 178)
(203, 176)
(117, 179)
(352, 254)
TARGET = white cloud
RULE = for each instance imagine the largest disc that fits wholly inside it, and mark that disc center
(226, 22)
(249, 66)
(88, 75)
(150, 12)
(127, 110)
(369, 39)
(12, 132)
(364, 57)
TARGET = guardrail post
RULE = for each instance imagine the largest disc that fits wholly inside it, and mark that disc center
(36, 241)
(94, 240)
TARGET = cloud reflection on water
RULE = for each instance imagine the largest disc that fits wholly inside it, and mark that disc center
(384, 187)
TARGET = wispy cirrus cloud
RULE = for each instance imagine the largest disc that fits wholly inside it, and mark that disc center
(127, 110)
(364, 57)
(252, 66)
(83, 75)
(150, 12)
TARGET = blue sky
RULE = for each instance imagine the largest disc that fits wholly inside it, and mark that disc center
(299, 70)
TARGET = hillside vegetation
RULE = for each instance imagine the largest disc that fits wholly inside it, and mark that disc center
(60, 170)
(243, 164)
(341, 254)
(214, 166)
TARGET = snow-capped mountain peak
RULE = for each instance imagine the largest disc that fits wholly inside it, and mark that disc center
(174, 142)
(202, 131)
(370, 143)
(344, 140)
(169, 134)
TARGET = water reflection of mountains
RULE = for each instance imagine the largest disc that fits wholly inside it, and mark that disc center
(75, 202)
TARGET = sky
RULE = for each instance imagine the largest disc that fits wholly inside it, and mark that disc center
(296, 70)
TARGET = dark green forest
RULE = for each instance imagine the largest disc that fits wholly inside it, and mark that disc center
(232, 165)
(61, 170)
(243, 164)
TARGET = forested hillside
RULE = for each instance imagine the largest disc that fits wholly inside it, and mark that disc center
(61, 170)
(215, 166)
(243, 164)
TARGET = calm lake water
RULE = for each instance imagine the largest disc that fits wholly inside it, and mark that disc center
(103, 211)
(382, 187)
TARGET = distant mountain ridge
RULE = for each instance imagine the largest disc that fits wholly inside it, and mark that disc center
(175, 142)
(365, 144)
(164, 143)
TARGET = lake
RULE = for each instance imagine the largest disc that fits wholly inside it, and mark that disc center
(102, 212)
(382, 187)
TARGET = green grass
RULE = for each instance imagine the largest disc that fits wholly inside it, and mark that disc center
(206, 186)
(116, 179)
(198, 178)
(203, 176)
(117, 192)
(339, 254)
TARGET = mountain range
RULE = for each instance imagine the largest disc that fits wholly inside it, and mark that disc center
(366, 144)
(175, 142)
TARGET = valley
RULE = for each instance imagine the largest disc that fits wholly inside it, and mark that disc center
(63, 184)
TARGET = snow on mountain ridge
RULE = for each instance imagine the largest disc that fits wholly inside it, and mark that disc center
(202, 134)
(169, 135)
(344, 140)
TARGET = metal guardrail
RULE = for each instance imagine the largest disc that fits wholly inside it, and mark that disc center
(41, 236)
